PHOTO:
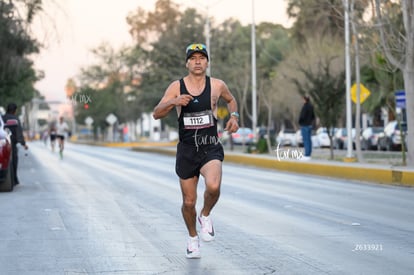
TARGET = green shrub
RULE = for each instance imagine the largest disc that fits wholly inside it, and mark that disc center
(262, 146)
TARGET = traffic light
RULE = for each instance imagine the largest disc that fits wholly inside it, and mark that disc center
(86, 106)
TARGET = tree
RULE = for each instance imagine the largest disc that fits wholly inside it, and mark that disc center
(323, 17)
(398, 47)
(273, 44)
(233, 63)
(321, 77)
(147, 27)
(17, 74)
(110, 85)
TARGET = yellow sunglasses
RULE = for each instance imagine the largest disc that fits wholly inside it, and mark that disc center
(193, 47)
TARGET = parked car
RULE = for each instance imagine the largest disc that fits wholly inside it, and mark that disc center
(369, 138)
(6, 170)
(323, 138)
(390, 138)
(340, 139)
(243, 136)
(299, 139)
(286, 137)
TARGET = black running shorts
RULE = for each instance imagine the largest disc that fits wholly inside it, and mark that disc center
(189, 160)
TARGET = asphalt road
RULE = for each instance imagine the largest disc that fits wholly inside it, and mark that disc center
(114, 211)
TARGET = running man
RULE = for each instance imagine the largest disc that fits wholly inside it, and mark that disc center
(199, 151)
(61, 129)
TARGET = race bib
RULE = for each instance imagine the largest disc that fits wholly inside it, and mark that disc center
(198, 120)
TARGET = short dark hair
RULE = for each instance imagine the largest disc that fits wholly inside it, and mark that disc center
(11, 108)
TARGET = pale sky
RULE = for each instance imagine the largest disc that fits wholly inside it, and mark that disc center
(74, 27)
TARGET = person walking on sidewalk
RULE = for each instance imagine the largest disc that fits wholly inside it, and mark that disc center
(199, 151)
(13, 123)
(306, 119)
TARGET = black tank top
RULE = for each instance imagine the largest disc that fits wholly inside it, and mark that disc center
(196, 124)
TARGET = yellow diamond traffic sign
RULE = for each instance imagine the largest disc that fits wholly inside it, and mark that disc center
(222, 112)
(363, 93)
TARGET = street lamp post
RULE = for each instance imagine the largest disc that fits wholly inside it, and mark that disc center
(348, 80)
(207, 30)
(254, 97)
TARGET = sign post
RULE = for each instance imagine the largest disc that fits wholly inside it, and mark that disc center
(363, 95)
(111, 119)
(400, 101)
(89, 122)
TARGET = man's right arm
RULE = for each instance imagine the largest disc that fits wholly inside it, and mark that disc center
(171, 99)
(163, 108)
(20, 136)
(166, 103)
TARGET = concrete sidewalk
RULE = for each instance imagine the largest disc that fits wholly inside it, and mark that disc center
(376, 173)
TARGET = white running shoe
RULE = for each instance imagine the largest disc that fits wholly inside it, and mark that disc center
(193, 248)
(305, 158)
(207, 231)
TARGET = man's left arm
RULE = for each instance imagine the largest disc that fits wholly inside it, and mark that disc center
(232, 124)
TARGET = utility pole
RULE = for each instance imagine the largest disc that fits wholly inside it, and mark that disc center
(207, 34)
(207, 30)
(254, 97)
(348, 81)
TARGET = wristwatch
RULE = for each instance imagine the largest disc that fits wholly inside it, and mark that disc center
(235, 114)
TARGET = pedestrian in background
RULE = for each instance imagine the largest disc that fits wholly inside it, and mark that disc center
(306, 119)
(199, 151)
(13, 123)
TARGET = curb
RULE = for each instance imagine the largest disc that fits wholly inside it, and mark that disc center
(392, 175)
(128, 144)
(352, 171)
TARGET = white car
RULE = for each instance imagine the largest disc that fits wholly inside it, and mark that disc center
(323, 138)
(286, 137)
(369, 138)
(391, 137)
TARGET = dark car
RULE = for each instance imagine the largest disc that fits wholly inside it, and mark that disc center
(369, 138)
(6, 170)
(340, 140)
(390, 139)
